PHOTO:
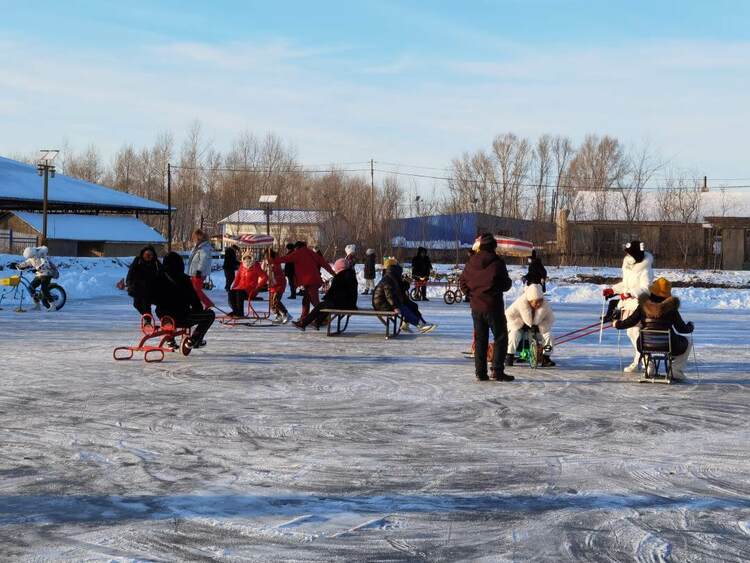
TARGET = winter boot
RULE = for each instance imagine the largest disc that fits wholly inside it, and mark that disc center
(509, 359)
(501, 376)
(632, 368)
(547, 362)
(482, 377)
(299, 325)
(424, 328)
(405, 327)
(285, 318)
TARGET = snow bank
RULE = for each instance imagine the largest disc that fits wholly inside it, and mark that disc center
(86, 278)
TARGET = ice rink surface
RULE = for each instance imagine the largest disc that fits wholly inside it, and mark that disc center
(271, 444)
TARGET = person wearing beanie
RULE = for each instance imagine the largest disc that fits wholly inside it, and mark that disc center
(637, 276)
(369, 271)
(342, 294)
(530, 310)
(537, 273)
(484, 280)
(659, 310)
(421, 267)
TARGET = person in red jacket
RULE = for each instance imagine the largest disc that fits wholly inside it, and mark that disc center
(241, 286)
(307, 265)
(276, 287)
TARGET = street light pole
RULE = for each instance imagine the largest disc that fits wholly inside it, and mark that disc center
(169, 207)
(45, 169)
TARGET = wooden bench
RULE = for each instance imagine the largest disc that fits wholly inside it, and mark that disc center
(392, 321)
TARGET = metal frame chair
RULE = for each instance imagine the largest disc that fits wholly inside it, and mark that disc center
(656, 350)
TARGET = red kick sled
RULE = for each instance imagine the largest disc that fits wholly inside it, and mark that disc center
(162, 335)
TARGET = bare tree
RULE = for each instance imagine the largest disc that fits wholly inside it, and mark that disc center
(679, 200)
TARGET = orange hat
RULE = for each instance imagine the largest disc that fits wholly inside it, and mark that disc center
(661, 288)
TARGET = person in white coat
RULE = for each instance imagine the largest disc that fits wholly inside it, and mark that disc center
(37, 259)
(199, 265)
(530, 310)
(637, 277)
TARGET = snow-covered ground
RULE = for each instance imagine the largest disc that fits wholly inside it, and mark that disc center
(275, 444)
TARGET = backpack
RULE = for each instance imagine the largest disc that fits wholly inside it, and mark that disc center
(53, 272)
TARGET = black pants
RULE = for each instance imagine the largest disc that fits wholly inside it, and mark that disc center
(44, 281)
(292, 289)
(142, 305)
(237, 301)
(229, 279)
(423, 290)
(483, 324)
(202, 322)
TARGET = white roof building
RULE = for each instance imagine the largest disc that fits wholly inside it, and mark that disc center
(285, 225)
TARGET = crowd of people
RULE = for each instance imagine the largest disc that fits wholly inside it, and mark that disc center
(638, 301)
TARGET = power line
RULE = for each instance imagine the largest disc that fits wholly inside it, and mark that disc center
(280, 170)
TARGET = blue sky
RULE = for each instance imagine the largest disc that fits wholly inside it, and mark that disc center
(416, 82)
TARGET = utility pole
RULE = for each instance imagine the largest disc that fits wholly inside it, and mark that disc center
(705, 183)
(45, 169)
(169, 207)
(372, 198)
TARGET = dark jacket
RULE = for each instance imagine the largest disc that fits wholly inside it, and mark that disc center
(342, 293)
(484, 280)
(231, 263)
(421, 266)
(537, 272)
(174, 294)
(657, 313)
(370, 267)
(142, 275)
(389, 294)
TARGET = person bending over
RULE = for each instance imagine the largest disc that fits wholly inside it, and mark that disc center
(141, 278)
(530, 311)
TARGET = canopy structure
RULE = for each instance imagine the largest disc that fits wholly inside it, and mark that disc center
(250, 241)
(510, 246)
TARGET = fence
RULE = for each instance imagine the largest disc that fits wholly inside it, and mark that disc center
(13, 242)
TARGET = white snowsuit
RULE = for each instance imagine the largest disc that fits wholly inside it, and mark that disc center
(200, 260)
(637, 278)
(520, 313)
(36, 259)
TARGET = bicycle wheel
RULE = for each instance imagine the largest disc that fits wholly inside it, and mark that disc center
(449, 297)
(58, 296)
(535, 355)
(414, 294)
(459, 296)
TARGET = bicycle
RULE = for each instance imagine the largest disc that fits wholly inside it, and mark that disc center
(19, 285)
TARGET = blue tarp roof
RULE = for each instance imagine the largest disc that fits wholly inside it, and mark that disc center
(100, 228)
(460, 227)
(21, 188)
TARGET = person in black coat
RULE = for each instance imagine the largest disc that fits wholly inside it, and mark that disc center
(174, 296)
(141, 278)
(289, 272)
(421, 266)
(342, 294)
(230, 266)
(537, 274)
(661, 311)
(369, 272)
(392, 294)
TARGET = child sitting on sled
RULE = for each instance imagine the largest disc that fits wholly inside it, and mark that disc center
(530, 311)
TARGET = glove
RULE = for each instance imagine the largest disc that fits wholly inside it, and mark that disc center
(198, 274)
(690, 326)
(608, 293)
(535, 328)
(13, 265)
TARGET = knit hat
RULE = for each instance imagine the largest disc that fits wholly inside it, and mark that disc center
(661, 287)
(370, 251)
(350, 249)
(390, 261)
(487, 242)
(534, 292)
(340, 265)
(636, 249)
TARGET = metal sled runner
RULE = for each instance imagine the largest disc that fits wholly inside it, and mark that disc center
(162, 334)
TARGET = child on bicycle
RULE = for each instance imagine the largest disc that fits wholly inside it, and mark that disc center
(36, 258)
